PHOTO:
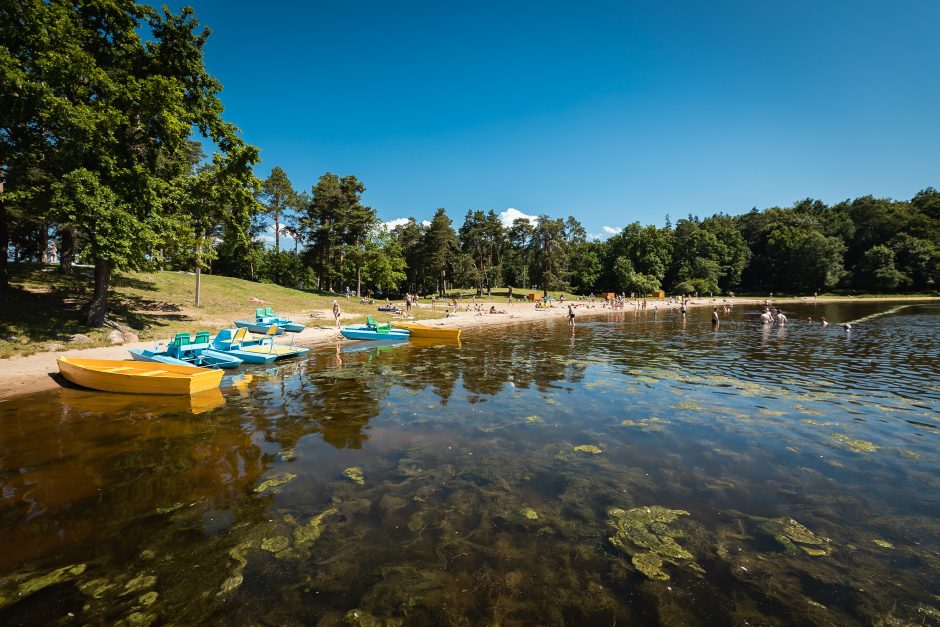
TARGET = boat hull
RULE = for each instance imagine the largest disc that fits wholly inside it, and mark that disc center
(136, 377)
(363, 332)
(421, 331)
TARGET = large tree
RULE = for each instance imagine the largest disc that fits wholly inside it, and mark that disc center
(108, 116)
(278, 197)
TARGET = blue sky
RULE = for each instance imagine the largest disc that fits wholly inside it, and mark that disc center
(613, 112)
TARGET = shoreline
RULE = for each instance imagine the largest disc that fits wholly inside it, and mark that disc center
(27, 375)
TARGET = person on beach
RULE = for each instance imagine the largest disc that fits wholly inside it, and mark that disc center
(571, 315)
(715, 321)
(336, 312)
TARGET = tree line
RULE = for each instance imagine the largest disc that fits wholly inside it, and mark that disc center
(106, 107)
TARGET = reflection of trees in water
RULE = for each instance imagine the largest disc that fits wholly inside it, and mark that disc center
(334, 395)
(71, 473)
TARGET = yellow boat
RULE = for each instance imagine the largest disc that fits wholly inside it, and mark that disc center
(138, 377)
(421, 331)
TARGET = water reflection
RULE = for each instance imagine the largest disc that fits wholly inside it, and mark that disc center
(636, 468)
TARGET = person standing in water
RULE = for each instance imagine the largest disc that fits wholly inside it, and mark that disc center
(715, 321)
(336, 313)
(571, 315)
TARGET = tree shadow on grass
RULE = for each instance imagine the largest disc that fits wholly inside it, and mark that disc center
(55, 314)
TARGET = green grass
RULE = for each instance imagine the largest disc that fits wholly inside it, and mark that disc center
(45, 307)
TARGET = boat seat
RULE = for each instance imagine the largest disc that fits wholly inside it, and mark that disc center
(115, 368)
(151, 372)
(269, 312)
(202, 337)
(377, 327)
(259, 312)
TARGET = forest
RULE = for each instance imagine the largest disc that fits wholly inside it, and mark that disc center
(102, 139)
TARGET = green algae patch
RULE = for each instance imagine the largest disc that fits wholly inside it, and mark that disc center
(309, 533)
(287, 455)
(588, 448)
(649, 424)
(148, 599)
(533, 419)
(355, 474)
(858, 446)
(139, 619)
(651, 565)
(275, 481)
(792, 536)
(529, 514)
(139, 583)
(910, 454)
(27, 586)
(275, 544)
(883, 543)
(816, 423)
(692, 405)
(95, 588)
(649, 528)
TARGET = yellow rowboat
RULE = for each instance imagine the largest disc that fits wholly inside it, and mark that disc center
(138, 377)
(421, 331)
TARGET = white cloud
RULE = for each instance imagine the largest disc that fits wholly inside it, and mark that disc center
(509, 216)
(391, 224)
(611, 230)
(596, 236)
(425, 223)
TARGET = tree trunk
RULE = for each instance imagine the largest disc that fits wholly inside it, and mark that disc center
(358, 281)
(67, 251)
(4, 247)
(42, 242)
(99, 303)
(198, 274)
(277, 233)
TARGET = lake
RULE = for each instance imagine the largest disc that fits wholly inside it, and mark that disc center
(637, 469)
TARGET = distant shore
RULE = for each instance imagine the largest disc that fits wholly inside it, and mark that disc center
(26, 375)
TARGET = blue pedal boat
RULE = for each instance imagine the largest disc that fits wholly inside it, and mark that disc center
(372, 330)
(182, 350)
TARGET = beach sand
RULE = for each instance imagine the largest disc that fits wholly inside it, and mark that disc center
(25, 375)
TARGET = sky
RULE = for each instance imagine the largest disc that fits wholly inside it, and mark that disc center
(613, 112)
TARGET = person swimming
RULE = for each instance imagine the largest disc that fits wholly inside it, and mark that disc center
(824, 323)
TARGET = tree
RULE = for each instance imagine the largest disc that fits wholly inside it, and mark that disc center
(482, 240)
(220, 194)
(629, 280)
(278, 197)
(109, 118)
(440, 249)
(385, 264)
(549, 259)
(876, 270)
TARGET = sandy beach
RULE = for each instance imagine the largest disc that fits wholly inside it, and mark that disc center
(25, 375)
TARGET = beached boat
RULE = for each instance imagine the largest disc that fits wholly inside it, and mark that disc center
(423, 331)
(267, 316)
(261, 350)
(370, 332)
(229, 341)
(138, 377)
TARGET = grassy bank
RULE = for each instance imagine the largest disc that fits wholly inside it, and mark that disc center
(45, 308)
